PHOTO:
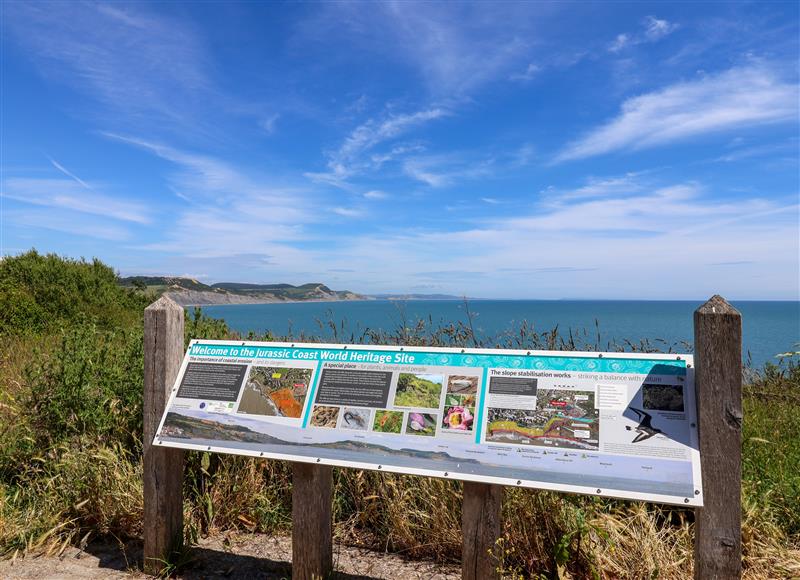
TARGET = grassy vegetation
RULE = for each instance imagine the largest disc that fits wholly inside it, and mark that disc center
(418, 390)
(70, 471)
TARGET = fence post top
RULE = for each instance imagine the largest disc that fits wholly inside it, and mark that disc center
(717, 305)
(165, 303)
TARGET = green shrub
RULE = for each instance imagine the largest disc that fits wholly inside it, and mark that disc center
(89, 388)
(43, 292)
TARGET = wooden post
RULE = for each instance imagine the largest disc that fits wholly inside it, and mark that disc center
(718, 384)
(481, 526)
(163, 467)
(312, 543)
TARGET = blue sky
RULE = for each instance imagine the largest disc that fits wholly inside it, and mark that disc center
(541, 150)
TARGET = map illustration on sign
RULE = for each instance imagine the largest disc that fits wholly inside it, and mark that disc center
(275, 391)
(619, 424)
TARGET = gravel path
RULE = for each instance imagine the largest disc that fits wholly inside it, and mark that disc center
(229, 556)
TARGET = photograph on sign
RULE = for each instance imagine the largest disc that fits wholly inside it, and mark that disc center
(612, 424)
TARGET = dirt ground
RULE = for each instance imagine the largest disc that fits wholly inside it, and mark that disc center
(229, 556)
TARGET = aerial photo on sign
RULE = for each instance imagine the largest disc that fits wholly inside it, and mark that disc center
(617, 425)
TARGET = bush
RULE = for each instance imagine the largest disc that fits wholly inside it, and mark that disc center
(43, 292)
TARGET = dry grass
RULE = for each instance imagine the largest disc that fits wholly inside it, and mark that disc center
(419, 517)
(70, 495)
(83, 493)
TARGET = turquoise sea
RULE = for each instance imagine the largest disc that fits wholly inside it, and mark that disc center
(769, 328)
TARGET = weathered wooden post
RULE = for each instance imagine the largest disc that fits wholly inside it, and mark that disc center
(481, 526)
(312, 535)
(163, 467)
(718, 383)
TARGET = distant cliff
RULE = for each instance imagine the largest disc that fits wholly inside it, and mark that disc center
(190, 292)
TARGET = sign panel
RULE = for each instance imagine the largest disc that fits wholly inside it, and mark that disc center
(609, 424)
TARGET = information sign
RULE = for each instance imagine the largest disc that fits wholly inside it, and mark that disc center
(609, 424)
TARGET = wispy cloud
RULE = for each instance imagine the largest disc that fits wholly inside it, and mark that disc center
(352, 156)
(234, 211)
(376, 194)
(657, 28)
(738, 97)
(73, 195)
(597, 187)
(68, 173)
(531, 71)
(448, 169)
(653, 29)
(350, 212)
(138, 63)
(68, 222)
(143, 69)
(269, 123)
(781, 150)
(213, 180)
(455, 48)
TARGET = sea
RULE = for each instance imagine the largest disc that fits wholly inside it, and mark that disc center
(770, 328)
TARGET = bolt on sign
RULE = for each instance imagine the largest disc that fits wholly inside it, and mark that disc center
(610, 424)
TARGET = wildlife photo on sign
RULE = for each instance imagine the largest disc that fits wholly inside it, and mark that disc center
(462, 385)
(355, 419)
(388, 421)
(275, 391)
(422, 424)
(324, 416)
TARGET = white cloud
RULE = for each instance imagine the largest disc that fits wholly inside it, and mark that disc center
(455, 48)
(73, 195)
(619, 186)
(268, 124)
(68, 173)
(349, 212)
(736, 98)
(352, 156)
(446, 169)
(530, 72)
(213, 181)
(524, 155)
(233, 210)
(376, 194)
(620, 42)
(372, 133)
(68, 222)
(655, 29)
(136, 62)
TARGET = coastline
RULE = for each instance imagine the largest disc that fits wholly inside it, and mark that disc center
(237, 300)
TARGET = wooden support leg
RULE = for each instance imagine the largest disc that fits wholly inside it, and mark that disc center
(312, 543)
(481, 526)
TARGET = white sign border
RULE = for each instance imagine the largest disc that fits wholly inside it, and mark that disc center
(696, 501)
